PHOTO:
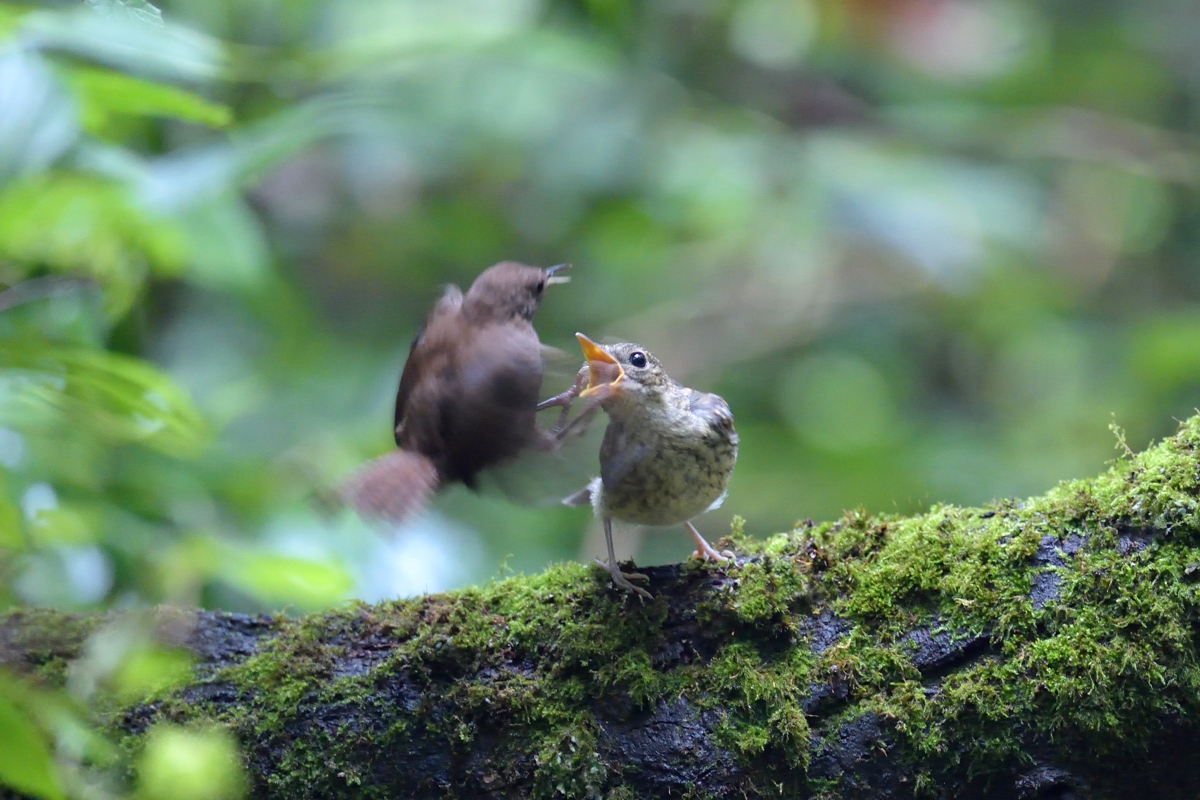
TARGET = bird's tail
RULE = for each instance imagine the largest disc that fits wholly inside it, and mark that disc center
(588, 495)
(392, 487)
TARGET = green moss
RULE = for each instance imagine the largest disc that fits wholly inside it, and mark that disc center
(760, 698)
(770, 591)
(569, 766)
(621, 793)
(1110, 656)
(48, 640)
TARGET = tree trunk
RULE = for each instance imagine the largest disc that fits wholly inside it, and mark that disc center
(1037, 649)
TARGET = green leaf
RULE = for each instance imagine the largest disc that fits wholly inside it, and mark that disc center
(113, 396)
(277, 580)
(10, 525)
(76, 224)
(64, 720)
(189, 178)
(38, 123)
(70, 730)
(181, 764)
(10, 515)
(103, 93)
(148, 671)
(25, 762)
(127, 38)
(138, 9)
(226, 246)
(62, 526)
(10, 18)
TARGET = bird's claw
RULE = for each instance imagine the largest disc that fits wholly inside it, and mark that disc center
(712, 554)
(576, 427)
(563, 399)
(566, 397)
(621, 579)
(705, 551)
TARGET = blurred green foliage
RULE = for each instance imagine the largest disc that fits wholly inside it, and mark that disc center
(25, 763)
(927, 249)
(180, 764)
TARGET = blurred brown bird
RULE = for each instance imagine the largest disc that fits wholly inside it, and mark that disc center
(468, 395)
(667, 454)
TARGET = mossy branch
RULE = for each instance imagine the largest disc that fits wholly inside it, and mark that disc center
(1037, 649)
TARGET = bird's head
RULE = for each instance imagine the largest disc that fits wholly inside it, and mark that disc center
(624, 371)
(510, 290)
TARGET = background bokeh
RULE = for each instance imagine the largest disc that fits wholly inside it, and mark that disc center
(928, 250)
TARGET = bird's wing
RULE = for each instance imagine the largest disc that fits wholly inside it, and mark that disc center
(500, 360)
(619, 453)
(446, 310)
(489, 416)
(711, 408)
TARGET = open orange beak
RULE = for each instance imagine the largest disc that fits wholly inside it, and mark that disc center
(604, 373)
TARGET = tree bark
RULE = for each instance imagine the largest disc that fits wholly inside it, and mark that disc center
(1037, 649)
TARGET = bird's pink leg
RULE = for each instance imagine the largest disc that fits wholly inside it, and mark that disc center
(704, 550)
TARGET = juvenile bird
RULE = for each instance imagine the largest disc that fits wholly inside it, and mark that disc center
(468, 395)
(667, 452)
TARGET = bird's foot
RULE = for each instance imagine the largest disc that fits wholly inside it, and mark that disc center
(577, 427)
(562, 399)
(705, 551)
(622, 579)
(712, 554)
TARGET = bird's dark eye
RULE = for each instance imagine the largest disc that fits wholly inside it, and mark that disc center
(638, 359)
(540, 286)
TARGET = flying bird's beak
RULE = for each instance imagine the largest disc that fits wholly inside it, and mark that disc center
(552, 279)
(604, 373)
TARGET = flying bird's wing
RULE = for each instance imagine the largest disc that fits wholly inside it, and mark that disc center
(489, 417)
(447, 308)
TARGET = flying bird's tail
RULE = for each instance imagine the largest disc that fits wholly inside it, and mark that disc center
(588, 495)
(392, 487)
